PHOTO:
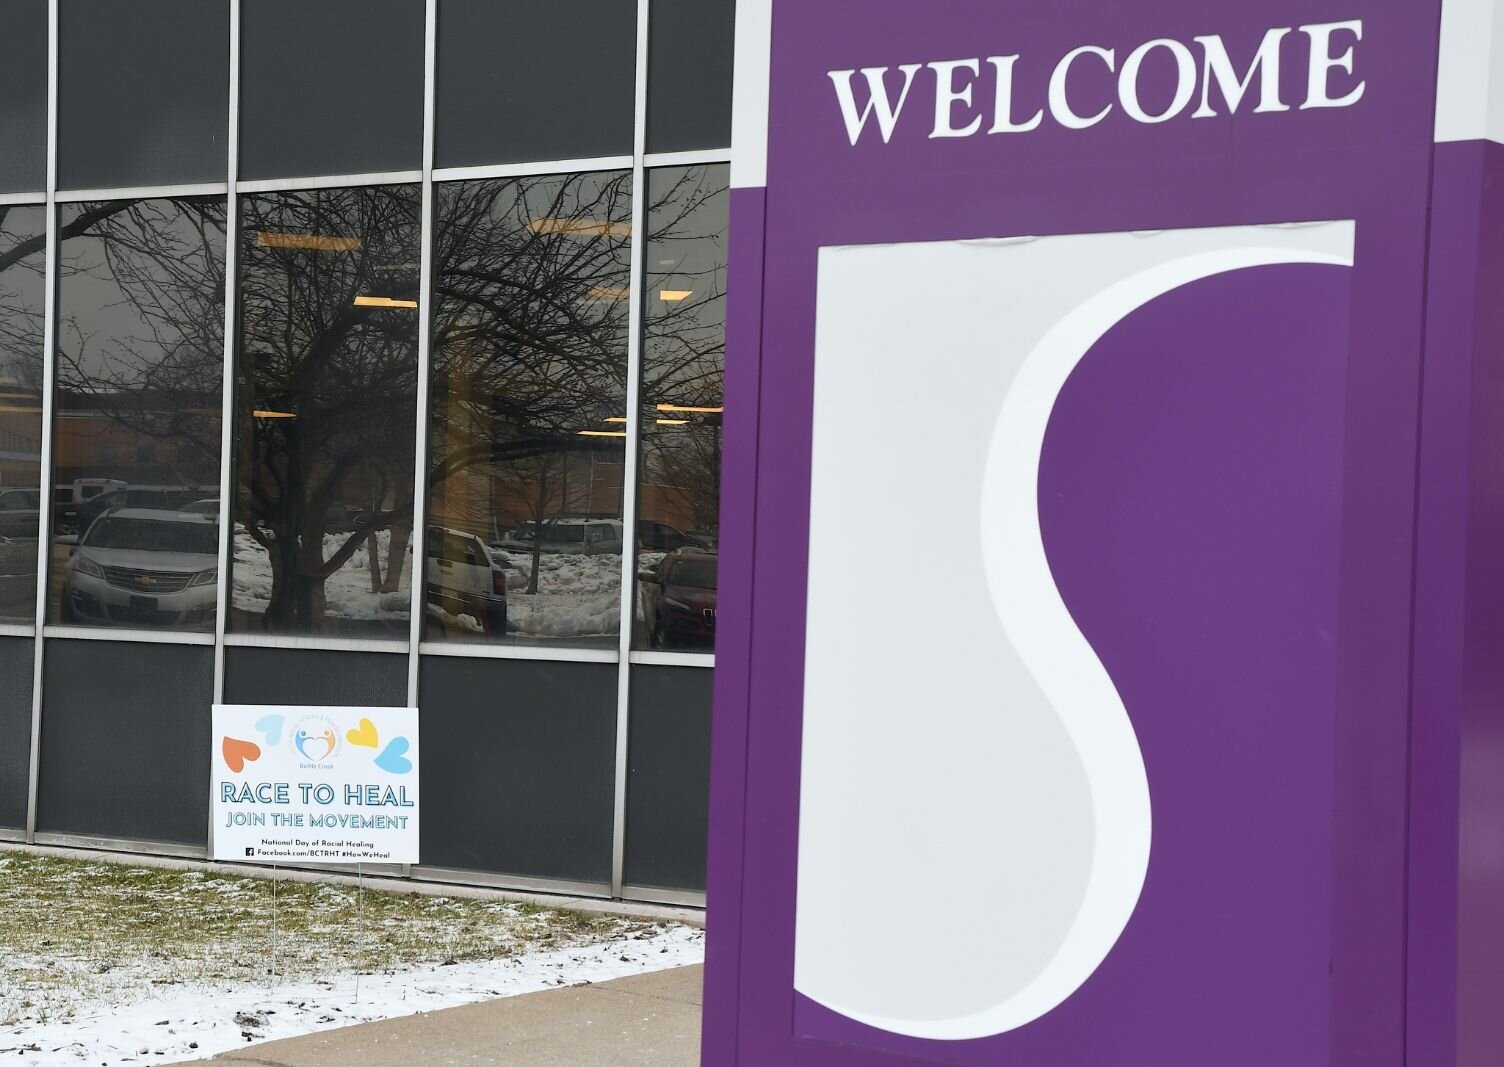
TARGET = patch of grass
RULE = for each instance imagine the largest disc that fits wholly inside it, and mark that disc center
(73, 931)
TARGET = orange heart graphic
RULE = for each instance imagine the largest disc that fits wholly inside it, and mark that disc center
(237, 753)
(365, 736)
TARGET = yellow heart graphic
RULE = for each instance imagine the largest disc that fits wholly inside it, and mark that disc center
(365, 736)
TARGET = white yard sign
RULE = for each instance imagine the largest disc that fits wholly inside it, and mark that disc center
(315, 785)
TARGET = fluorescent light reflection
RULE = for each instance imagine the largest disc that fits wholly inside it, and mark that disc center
(383, 302)
(311, 241)
(690, 410)
(581, 227)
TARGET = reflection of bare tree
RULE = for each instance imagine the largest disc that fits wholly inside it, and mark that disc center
(530, 328)
(530, 332)
(326, 385)
(22, 276)
(141, 338)
(684, 345)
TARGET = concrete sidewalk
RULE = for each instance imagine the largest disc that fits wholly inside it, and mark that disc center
(649, 1019)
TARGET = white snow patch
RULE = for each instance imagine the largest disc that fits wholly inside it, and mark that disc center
(188, 1021)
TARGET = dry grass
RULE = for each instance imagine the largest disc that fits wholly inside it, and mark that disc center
(76, 932)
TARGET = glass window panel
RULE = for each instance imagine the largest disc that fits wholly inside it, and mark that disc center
(683, 378)
(690, 51)
(23, 257)
(529, 81)
(330, 87)
(23, 98)
(143, 93)
(326, 374)
(529, 406)
(139, 377)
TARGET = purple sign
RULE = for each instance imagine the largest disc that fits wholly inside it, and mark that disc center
(1111, 481)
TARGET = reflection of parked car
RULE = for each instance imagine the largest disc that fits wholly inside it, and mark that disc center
(589, 537)
(679, 600)
(20, 511)
(67, 499)
(463, 578)
(143, 567)
(149, 497)
(202, 507)
(657, 536)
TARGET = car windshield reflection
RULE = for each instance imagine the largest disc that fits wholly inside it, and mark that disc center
(154, 535)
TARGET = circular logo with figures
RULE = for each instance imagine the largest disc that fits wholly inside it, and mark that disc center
(314, 739)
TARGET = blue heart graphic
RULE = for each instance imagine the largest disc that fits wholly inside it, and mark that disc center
(271, 728)
(393, 758)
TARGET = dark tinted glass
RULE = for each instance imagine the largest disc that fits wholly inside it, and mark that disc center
(330, 87)
(526, 80)
(683, 374)
(143, 92)
(529, 755)
(690, 49)
(23, 97)
(326, 396)
(529, 402)
(668, 777)
(16, 660)
(139, 379)
(22, 283)
(315, 676)
(125, 740)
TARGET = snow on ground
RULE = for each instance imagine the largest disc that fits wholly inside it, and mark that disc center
(197, 1021)
(114, 963)
(578, 595)
(347, 592)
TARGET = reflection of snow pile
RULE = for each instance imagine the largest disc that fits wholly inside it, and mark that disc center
(578, 596)
(437, 616)
(646, 562)
(347, 592)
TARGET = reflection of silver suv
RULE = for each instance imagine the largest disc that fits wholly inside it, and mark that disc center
(464, 579)
(585, 537)
(139, 567)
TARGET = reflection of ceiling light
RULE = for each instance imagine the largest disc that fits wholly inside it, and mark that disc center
(581, 227)
(601, 433)
(601, 293)
(311, 241)
(672, 422)
(20, 411)
(273, 415)
(673, 296)
(383, 302)
(690, 410)
(616, 418)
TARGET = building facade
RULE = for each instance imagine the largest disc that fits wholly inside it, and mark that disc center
(367, 352)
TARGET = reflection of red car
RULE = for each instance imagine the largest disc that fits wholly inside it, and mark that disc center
(680, 600)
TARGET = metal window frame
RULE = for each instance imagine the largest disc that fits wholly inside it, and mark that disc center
(327, 181)
(629, 590)
(622, 654)
(44, 461)
(540, 167)
(227, 386)
(417, 614)
(141, 192)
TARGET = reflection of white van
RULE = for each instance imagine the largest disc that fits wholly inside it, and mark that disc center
(66, 499)
(585, 537)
